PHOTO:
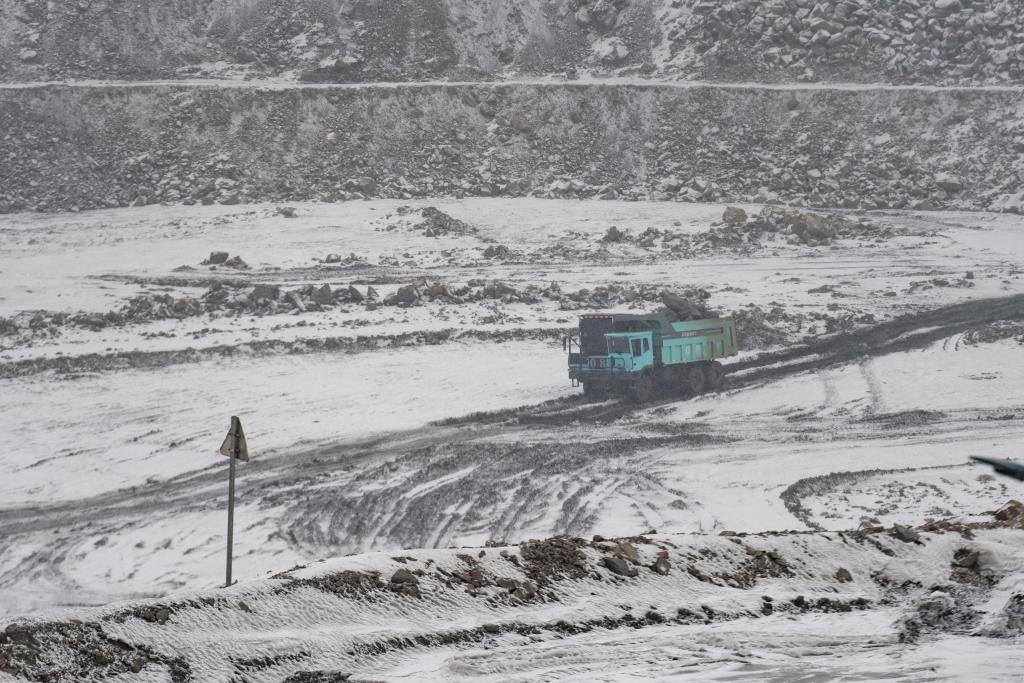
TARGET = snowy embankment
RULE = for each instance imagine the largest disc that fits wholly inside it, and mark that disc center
(899, 603)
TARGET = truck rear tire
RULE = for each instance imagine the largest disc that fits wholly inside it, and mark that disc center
(715, 375)
(694, 381)
(642, 389)
(595, 390)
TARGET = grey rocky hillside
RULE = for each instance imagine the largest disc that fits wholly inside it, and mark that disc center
(650, 136)
(906, 41)
(72, 148)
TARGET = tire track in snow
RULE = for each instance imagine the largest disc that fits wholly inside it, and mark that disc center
(343, 498)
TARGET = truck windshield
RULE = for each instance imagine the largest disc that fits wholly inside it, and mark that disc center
(618, 345)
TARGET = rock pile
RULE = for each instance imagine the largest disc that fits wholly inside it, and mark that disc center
(997, 331)
(795, 227)
(742, 234)
(554, 559)
(437, 223)
(219, 299)
(223, 258)
(760, 328)
(75, 651)
(757, 327)
(691, 307)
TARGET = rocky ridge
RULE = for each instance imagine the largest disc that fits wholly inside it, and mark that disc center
(679, 580)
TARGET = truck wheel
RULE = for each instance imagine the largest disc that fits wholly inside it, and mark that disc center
(595, 390)
(714, 373)
(642, 389)
(694, 381)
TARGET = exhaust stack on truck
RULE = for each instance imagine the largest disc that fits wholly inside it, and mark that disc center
(639, 355)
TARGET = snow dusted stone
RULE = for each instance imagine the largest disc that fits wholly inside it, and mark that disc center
(605, 14)
(734, 216)
(266, 292)
(237, 263)
(617, 565)
(323, 295)
(611, 50)
(662, 565)
(949, 183)
(906, 534)
(404, 576)
(1009, 623)
(354, 294)
(627, 551)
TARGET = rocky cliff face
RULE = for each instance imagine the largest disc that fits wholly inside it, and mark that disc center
(896, 41)
(68, 147)
(639, 136)
(906, 41)
(326, 40)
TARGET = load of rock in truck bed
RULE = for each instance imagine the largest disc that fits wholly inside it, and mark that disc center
(692, 307)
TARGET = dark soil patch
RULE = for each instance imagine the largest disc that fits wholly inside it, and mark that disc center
(59, 652)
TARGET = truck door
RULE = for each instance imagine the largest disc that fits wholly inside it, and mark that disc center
(643, 352)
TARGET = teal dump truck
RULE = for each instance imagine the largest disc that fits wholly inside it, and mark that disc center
(641, 355)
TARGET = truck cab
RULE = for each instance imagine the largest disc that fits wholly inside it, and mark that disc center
(613, 361)
(630, 351)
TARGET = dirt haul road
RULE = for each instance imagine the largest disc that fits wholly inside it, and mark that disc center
(564, 466)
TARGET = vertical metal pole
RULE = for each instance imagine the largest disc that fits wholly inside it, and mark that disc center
(235, 447)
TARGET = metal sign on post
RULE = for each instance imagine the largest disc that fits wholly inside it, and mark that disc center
(234, 447)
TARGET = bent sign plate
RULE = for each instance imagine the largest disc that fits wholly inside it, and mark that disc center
(228, 447)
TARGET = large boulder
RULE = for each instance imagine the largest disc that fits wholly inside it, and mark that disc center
(265, 292)
(949, 183)
(324, 295)
(617, 565)
(237, 263)
(405, 296)
(734, 216)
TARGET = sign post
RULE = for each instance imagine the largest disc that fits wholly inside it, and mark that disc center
(234, 448)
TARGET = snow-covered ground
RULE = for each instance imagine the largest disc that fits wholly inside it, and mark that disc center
(451, 423)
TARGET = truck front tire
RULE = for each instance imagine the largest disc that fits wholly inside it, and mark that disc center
(642, 389)
(715, 375)
(694, 381)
